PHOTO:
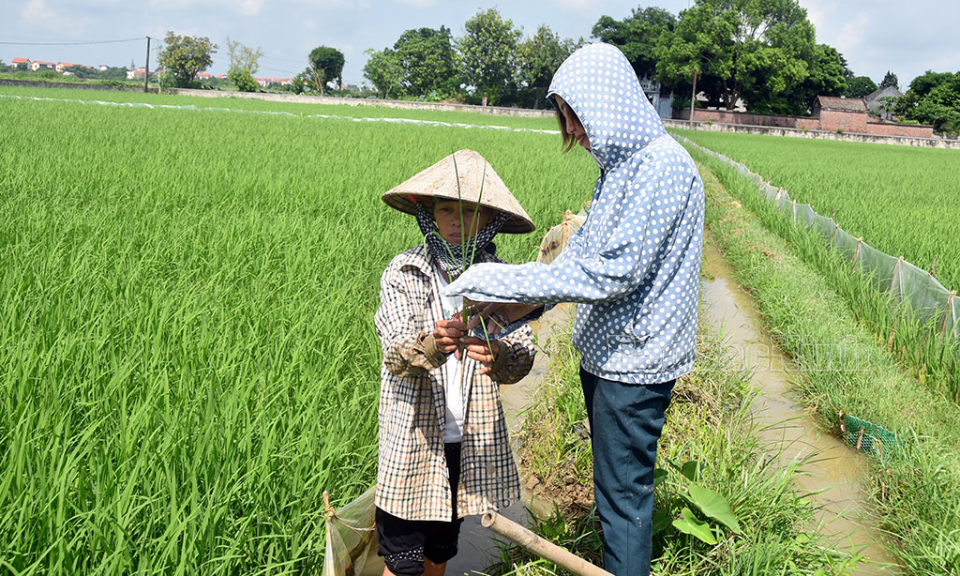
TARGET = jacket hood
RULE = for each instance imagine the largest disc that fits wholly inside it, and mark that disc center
(599, 84)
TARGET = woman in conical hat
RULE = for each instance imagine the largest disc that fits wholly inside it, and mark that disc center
(444, 450)
(633, 270)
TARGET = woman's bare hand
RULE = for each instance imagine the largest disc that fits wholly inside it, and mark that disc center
(481, 351)
(447, 334)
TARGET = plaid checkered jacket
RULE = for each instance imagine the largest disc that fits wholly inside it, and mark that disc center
(412, 480)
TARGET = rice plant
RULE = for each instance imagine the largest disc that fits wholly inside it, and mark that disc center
(186, 325)
(902, 200)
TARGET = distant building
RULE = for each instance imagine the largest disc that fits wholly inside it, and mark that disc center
(23, 63)
(877, 105)
(831, 114)
(61, 66)
(662, 103)
(265, 82)
(37, 65)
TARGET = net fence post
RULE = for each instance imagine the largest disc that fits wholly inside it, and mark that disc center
(947, 313)
(856, 254)
(896, 279)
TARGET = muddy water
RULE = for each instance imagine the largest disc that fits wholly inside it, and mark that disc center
(478, 550)
(835, 476)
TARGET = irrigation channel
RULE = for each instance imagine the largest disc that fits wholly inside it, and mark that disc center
(835, 475)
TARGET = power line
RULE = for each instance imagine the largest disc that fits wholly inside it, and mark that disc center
(72, 43)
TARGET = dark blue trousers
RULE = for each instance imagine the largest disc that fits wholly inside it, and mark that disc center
(625, 423)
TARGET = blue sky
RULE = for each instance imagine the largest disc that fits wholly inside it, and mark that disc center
(874, 35)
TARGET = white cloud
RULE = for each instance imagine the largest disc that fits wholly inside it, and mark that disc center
(250, 7)
(575, 5)
(851, 35)
(37, 12)
(818, 12)
(418, 3)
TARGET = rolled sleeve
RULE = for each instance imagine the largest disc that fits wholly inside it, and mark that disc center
(407, 349)
(515, 357)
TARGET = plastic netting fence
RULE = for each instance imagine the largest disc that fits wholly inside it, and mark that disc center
(867, 436)
(925, 296)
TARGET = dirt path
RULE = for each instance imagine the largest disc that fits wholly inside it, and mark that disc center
(834, 477)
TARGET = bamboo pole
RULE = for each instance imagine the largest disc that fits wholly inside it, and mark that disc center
(537, 545)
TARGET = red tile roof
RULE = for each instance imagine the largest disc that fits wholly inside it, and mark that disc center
(21, 60)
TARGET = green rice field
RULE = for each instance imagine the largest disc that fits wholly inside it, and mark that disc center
(902, 200)
(186, 324)
(368, 110)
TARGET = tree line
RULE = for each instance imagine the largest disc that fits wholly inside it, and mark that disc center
(762, 55)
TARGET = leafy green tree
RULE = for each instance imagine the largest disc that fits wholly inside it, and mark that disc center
(383, 71)
(890, 79)
(244, 63)
(825, 78)
(83, 72)
(186, 56)
(933, 98)
(736, 45)
(488, 53)
(637, 36)
(925, 83)
(860, 86)
(299, 82)
(325, 64)
(427, 61)
(539, 57)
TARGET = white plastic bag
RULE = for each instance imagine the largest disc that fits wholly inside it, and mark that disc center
(351, 534)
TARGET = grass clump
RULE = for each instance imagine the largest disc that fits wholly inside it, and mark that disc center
(843, 367)
(708, 422)
(920, 345)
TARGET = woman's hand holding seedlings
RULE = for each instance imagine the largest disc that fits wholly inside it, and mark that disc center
(447, 334)
(450, 337)
(481, 351)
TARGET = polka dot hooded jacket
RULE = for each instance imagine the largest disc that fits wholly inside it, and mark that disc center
(634, 266)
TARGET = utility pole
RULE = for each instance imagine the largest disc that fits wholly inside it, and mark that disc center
(693, 97)
(146, 69)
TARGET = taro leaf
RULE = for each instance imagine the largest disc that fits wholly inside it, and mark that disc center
(661, 520)
(714, 506)
(693, 526)
(691, 470)
(658, 476)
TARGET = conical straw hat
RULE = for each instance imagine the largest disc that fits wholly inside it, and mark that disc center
(439, 182)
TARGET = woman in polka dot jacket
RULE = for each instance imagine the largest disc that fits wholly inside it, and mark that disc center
(633, 270)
